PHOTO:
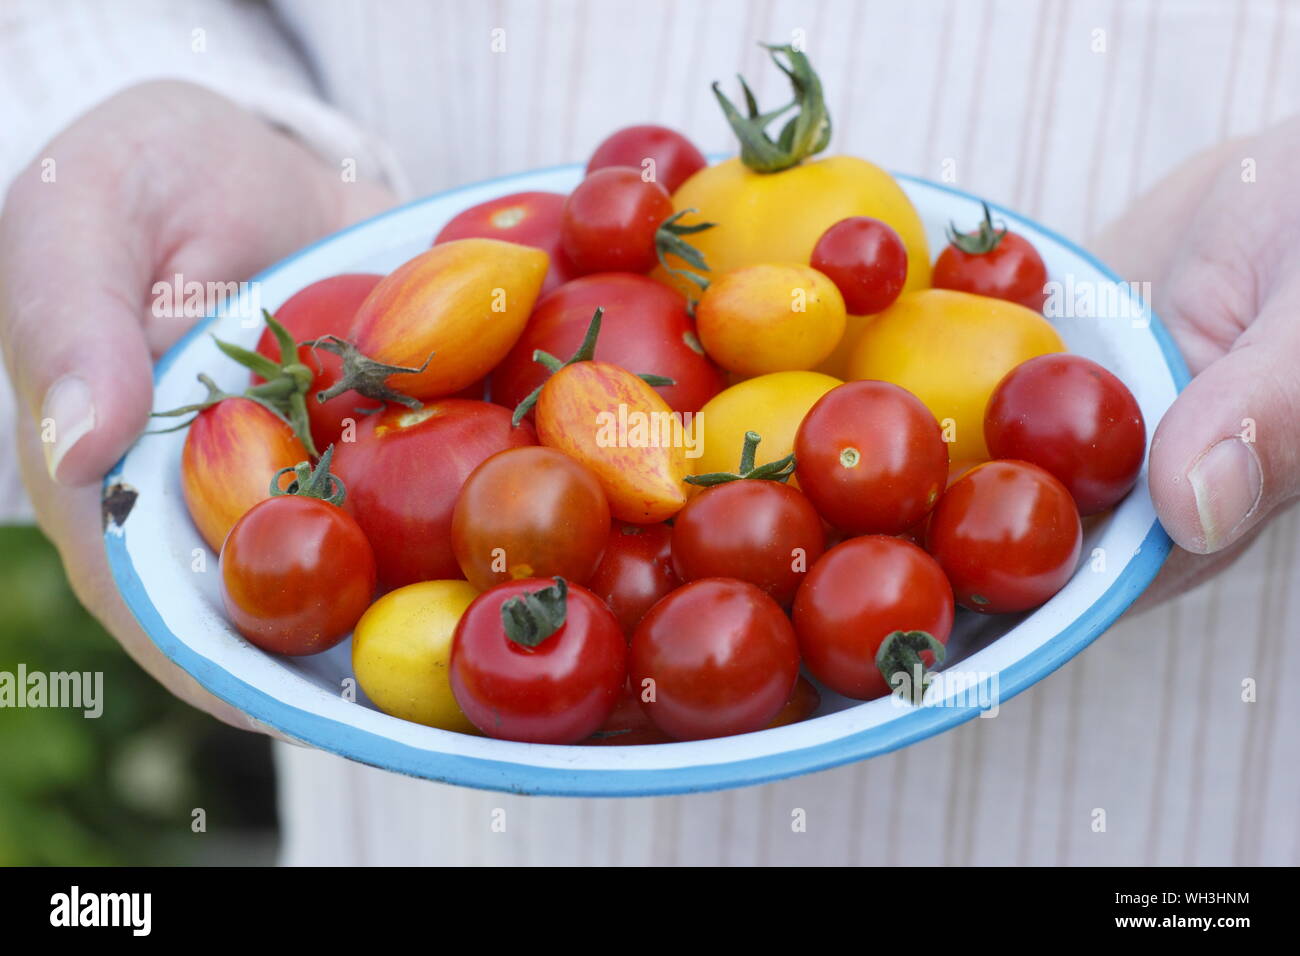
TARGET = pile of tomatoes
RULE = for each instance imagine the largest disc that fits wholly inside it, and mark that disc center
(614, 467)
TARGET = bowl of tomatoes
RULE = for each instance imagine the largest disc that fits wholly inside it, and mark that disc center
(653, 476)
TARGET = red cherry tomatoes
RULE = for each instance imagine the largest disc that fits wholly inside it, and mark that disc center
(1073, 418)
(858, 594)
(664, 154)
(538, 662)
(610, 221)
(529, 513)
(871, 458)
(1007, 535)
(296, 575)
(324, 308)
(404, 472)
(714, 658)
(866, 260)
(645, 328)
(635, 571)
(992, 262)
(530, 219)
(752, 529)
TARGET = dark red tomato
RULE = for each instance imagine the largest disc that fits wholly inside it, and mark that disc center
(645, 328)
(529, 219)
(871, 458)
(559, 691)
(404, 472)
(755, 530)
(716, 657)
(324, 308)
(529, 513)
(1008, 536)
(627, 726)
(610, 221)
(296, 575)
(668, 157)
(635, 571)
(866, 260)
(803, 703)
(856, 596)
(1070, 416)
(993, 262)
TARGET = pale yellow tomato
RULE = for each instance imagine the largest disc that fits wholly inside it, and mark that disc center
(401, 651)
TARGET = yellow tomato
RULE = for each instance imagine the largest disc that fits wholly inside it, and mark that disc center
(951, 349)
(778, 217)
(770, 318)
(401, 651)
(771, 405)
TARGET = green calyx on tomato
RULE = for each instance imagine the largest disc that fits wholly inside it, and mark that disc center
(532, 617)
(779, 470)
(586, 353)
(807, 133)
(669, 242)
(982, 241)
(364, 375)
(309, 482)
(282, 392)
(900, 653)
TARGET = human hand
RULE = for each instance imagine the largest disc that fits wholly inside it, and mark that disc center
(165, 178)
(1219, 241)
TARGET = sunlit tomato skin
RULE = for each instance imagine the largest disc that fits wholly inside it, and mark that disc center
(327, 307)
(950, 350)
(754, 530)
(671, 157)
(296, 574)
(403, 475)
(871, 458)
(401, 652)
(618, 426)
(610, 220)
(866, 260)
(231, 452)
(1072, 417)
(528, 218)
(645, 328)
(1008, 536)
(859, 593)
(529, 512)
(559, 692)
(1013, 270)
(770, 318)
(635, 571)
(464, 301)
(718, 657)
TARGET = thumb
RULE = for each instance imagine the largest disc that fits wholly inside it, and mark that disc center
(1227, 453)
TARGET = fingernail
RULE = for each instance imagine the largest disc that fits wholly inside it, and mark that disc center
(67, 415)
(1228, 483)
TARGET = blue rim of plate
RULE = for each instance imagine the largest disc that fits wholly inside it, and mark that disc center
(376, 750)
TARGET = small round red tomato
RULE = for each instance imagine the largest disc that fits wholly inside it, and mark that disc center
(664, 154)
(297, 573)
(635, 571)
(755, 530)
(529, 219)
(529, 512)
(645, 328)
(324, 308)
(716, 657)
(627, 726)
(610, 221)
(1070, 416)
(538, 661)
(871, 458)
(866, 260)
(994, 262)
(857, 595)
(1008, 536)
